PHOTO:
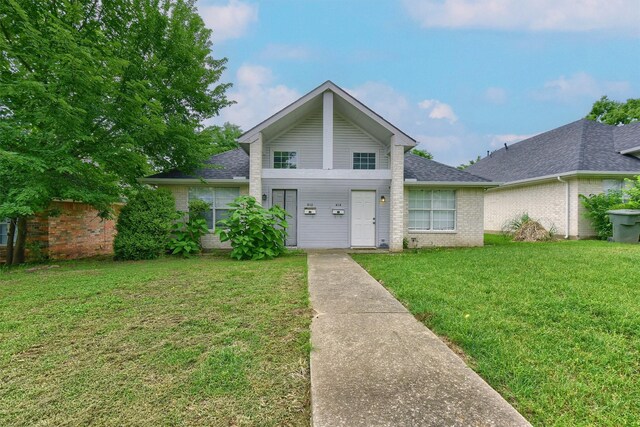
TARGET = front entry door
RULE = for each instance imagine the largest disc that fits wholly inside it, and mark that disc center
(363, 218)
(288, 200)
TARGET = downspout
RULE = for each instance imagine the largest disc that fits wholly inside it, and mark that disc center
(566, 207)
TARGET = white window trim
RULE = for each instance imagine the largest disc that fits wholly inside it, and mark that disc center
(366, 151)
(284, 150)
(5, 222)
(432, 231)
(213, 207)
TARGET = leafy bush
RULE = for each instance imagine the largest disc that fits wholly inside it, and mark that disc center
(144, 225)
(188, 232)
(597, 205)
(254, 232)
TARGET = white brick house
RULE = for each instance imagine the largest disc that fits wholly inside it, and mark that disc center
(345, 175)
(544, 175)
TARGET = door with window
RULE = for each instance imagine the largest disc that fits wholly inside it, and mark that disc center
(363, 218)
(288, 200)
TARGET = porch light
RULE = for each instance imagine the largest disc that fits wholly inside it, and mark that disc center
(382, 199)
(264, 197)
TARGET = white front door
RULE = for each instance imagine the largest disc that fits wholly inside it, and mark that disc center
(363, 218)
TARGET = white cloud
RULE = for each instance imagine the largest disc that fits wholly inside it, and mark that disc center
(580, 85)
(496, 95)
(229, 21)
(286, 52)
(534, 15)
(438, 110)
(257, 97)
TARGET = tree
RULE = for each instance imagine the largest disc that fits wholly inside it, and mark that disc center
(616, 113)
(225, 137)
(422, 153)
(97, 93)
(463, 166)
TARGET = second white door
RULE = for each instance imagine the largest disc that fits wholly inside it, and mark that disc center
(363, 218)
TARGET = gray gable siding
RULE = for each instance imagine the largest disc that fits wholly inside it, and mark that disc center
(325, 230)
(305, 138)
(348, 139)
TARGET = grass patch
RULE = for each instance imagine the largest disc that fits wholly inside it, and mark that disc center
(202, 341)
(554, 327)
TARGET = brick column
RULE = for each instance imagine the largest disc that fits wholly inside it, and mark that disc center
(255, 169)
(397, 196)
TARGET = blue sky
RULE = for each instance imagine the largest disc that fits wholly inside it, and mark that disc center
(460, 76)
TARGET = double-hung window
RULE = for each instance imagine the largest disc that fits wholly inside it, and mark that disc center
(4, 231)
(217, 198)
(285, 160)
(364, 160)
(432, 210)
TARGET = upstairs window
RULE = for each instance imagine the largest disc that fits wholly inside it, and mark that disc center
(285, 160)
(432, 210)
(218, 199)
(364, 160)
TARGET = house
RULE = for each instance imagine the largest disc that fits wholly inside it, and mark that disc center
(76, 231)
(544, 175)
(344, 174)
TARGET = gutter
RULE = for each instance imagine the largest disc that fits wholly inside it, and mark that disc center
(487, 184)
(577, 173)
(567, 213)
(166, 181)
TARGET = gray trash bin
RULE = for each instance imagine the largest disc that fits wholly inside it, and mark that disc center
(626, 225)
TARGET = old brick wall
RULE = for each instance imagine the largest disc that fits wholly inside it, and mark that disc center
(77, 232)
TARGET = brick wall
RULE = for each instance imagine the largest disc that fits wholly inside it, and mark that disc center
(469, 222)
(77, 232)
(181, 194)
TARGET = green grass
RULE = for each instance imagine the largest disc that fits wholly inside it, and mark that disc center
(203, 341)
(554, 327)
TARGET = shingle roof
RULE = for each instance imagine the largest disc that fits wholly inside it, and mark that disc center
(227, 165)
(626, 137)
(421, 169)
(583, 145)
(235, 163)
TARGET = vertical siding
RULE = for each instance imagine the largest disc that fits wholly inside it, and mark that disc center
(305, 138)
(325, 230)
(348, 138)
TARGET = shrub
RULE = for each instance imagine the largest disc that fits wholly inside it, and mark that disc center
(187, 233)
(144, 225)
(596, 207)
(254, 232)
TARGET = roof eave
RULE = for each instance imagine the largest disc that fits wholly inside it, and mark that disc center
(486, 184)
(633, 150)
(576, 173)
(169, 181)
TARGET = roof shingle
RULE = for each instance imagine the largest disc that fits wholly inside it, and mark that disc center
(583, 145)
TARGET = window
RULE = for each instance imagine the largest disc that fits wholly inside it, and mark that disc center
(4, 231)
(432, 210)
(285, 160)
(612, 185)
(218, 199)
(364, 160)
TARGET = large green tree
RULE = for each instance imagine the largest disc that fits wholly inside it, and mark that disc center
(97, 93)
(616, 113)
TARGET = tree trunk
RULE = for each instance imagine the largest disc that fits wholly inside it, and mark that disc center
(10, 238)
(18, 254)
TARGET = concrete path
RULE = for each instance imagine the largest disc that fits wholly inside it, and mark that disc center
(373, 364)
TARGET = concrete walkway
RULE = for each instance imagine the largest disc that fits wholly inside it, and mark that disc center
(373, 364)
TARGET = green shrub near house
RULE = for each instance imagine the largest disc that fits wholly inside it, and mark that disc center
(597, 205)
(144, 225)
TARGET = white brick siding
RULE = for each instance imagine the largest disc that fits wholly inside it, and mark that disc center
(181, 194)
(469, 222)
(545, 202)
(397, 197)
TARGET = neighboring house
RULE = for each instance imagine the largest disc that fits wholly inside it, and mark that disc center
(344, 175)
(544, 175)
(75, 232)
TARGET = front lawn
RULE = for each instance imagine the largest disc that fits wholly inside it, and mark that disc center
(203, 341)
(554, 327)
